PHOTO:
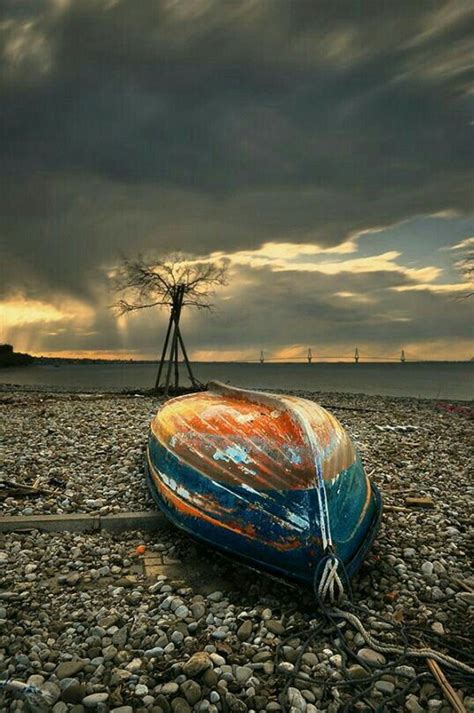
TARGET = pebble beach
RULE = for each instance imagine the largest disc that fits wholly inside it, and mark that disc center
(157, 622)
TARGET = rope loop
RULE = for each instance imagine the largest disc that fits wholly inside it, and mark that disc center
(328, 583)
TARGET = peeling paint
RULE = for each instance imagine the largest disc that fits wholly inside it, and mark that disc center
(237, 454)
(239, 469)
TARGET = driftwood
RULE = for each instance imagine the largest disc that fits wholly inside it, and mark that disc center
(422, 502)
(10, 488)
(463, 585)
(448, 691)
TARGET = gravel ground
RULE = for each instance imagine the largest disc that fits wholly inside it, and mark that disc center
(83, 620)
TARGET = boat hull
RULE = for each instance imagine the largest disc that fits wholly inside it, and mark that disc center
(231, 502)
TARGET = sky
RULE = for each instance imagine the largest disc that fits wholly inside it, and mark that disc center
(324, 149)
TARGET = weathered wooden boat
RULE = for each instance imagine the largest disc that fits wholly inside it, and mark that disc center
(273, 479)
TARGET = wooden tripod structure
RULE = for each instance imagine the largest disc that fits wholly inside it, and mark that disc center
(172, 344)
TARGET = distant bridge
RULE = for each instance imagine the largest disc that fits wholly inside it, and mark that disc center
(309, 357)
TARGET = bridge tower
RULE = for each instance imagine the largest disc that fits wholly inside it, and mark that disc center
(262, 357)
(402, 356)
(310, 356)
(356, 356)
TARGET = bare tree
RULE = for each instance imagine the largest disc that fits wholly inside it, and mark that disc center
(174, 281)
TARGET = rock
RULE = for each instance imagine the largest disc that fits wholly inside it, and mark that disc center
(35, 680)
(412, 705)
(385, 687)
(467, 597)
(336, 660)
(405, 671)
(437, 627)
(244, 631)
(177, 637)
(310, 659)
(180, 705)
(134, 666)
(191, 691)
(51, 692)
(210, 678)
(234, 704)
(438, 567)
(156, 652)
(198, 663)
(141, 690)
(356, 671)
(60, 707)
(217, 660)
(243, 673)
(119, 638)
(110, 652)
(296, 700)
(162, 701)
(68, 669)
(286, 667)
(93, 700)
(170, 688)
(198, 610)
(182, 612)
(215, 597)
(275, 627)
(437, 594)
(290, 653)
(427, 568)
(74, 693)
(371, 657)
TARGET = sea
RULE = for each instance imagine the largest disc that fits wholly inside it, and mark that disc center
(429, 380)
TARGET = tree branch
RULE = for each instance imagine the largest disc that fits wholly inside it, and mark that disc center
(155, 283)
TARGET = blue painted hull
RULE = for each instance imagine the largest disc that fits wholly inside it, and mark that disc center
(225, 501)
(299, 563)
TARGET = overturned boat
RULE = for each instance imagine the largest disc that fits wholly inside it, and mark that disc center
(273, 479)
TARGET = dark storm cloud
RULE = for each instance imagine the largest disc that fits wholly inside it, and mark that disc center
(206, 125)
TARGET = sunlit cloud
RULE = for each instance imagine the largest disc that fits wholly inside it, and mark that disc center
(354, 297)
(466, 244)
(435, 288)
(26, 50)
(281, 257)
(20, 312)
(28, 320)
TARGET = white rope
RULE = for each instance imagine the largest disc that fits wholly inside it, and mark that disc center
(330, 587)
(424, 653)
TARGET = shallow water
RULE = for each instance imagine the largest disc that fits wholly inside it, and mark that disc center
(436, 380)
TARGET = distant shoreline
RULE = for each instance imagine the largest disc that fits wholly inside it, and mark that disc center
(59, 361)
